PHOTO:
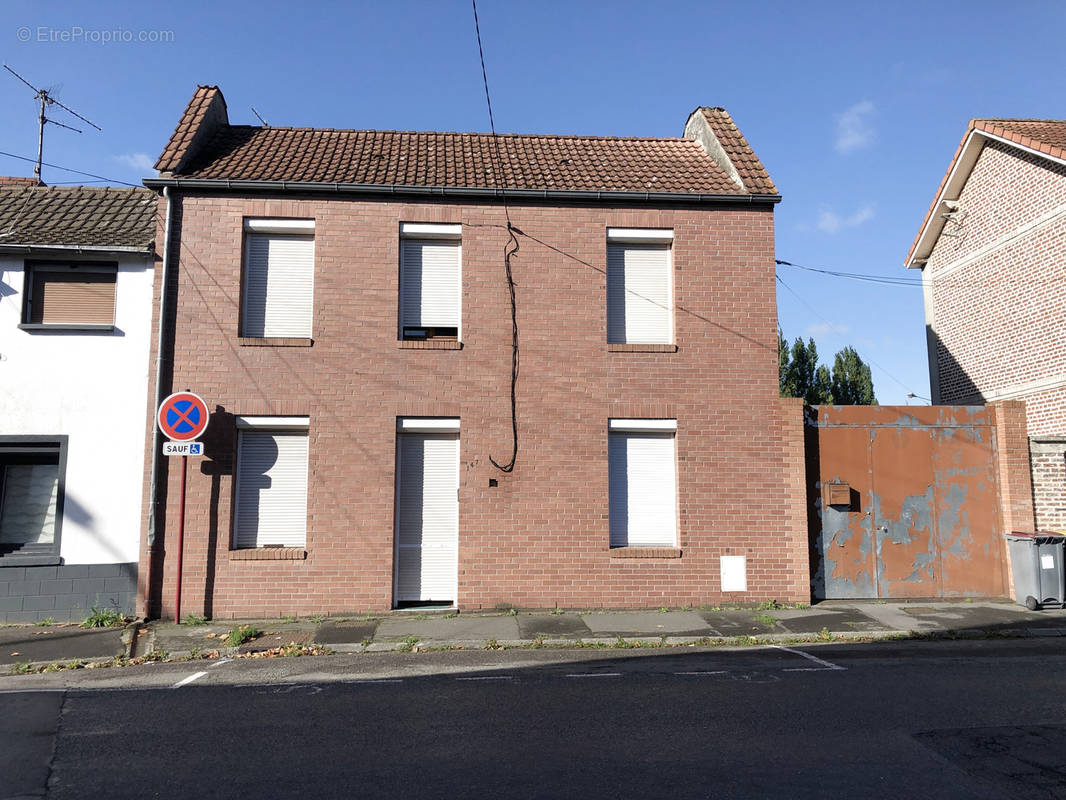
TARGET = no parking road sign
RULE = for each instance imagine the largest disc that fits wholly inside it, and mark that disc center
(182, 417)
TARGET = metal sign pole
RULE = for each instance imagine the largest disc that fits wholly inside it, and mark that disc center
(181, 537)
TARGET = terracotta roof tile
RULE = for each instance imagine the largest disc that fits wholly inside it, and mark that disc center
(1044, 135)
(405, 158)
(77, 216)
(752, 172)
(187, 126)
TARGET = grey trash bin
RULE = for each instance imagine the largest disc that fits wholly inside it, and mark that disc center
(1036, 560)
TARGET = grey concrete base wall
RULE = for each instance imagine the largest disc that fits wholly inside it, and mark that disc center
(67, 592)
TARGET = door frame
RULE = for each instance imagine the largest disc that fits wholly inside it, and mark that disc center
(445, 427)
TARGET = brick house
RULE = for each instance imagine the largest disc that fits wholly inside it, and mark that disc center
(340, 299)
(76, 272)
(992, 251)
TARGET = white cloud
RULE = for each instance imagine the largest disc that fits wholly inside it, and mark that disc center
(855, 128)
(138, 161)
(826, 329)
(830, 221)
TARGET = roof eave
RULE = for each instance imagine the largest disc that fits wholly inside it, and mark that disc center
(951, 187)
(227, 184)
(76, 249)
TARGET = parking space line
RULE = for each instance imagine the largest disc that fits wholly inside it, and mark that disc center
(188, 679)
(488, 678)
(703, 672)
(825, 665)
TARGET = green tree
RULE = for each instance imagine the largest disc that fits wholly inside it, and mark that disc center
(803, 376)
(800, 375)
(852, 384)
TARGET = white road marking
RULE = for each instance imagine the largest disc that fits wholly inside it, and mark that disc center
(189, 679)
(488, 678)
(714, 672)
(220, 662)
(595, 675)
(378, 680)
(826, 665)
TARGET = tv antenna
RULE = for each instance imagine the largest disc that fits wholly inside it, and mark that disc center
(44, 96)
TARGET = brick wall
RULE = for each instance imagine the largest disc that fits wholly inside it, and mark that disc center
(999, 317)
(539, 538)
(1049, 482)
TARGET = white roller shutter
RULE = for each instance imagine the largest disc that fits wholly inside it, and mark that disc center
(430, 283)
(427, 517)
(643, 489)
(278, 285)
(639, 294)
(271, 502)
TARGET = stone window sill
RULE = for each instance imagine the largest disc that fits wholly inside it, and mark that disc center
(430, 344)
(269, 554)
(645, 552)
(273, 341)
(68, 327)
(29, 560)
(641, 348)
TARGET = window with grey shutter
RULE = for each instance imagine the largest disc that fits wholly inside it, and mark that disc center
(270, 504)
(31, 498)
(278, 280)
(639, 288)
(430, 281)
(642, 487)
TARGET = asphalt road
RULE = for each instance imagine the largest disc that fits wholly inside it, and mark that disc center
(919, 719)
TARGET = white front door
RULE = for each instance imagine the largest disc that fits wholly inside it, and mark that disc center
(427, 517)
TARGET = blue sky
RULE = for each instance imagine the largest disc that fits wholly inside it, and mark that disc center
(856, 109)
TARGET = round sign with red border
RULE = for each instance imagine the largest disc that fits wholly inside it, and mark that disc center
(182, 417)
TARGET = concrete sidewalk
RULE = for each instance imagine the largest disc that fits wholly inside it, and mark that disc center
(429, 629)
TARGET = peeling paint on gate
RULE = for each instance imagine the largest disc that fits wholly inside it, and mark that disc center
(923, 521)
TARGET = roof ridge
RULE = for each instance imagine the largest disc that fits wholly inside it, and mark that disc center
(463, 133)
(1018, 119)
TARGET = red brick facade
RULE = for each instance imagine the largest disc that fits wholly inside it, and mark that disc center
(995, 307)
(539, 538)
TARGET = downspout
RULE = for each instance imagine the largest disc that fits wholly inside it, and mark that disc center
(156, 436)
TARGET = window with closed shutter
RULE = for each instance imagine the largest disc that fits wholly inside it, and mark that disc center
(643, 489)
(639, 294)
(31, 498)
(278, 285)
(430, 287)
(58, 294)
(270, 507)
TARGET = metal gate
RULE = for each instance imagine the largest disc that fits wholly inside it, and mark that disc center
(905, 502)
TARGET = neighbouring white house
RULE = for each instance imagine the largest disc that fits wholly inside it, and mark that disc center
(76, 274)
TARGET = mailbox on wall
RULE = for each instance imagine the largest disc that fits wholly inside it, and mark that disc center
(838, 494)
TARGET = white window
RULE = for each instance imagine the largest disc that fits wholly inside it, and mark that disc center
(643, 482)
(279, 267)
(270, 503)
(640, 304)
(430, 281)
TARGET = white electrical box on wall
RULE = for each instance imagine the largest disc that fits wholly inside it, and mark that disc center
(734, 574)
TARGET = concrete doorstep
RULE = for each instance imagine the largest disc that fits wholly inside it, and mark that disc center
(28, 648)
